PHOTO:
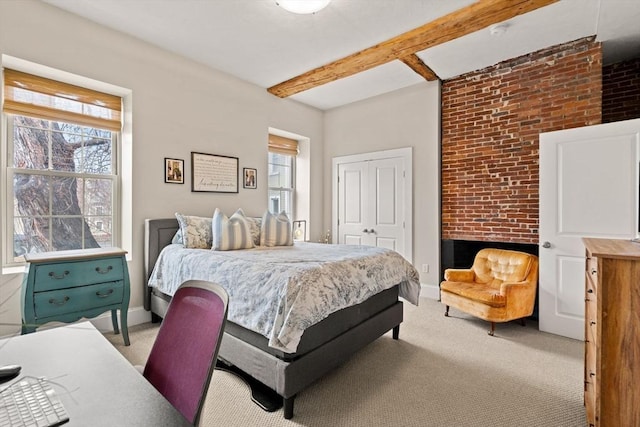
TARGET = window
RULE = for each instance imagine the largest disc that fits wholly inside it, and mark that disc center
(282, 156)
(61, 163)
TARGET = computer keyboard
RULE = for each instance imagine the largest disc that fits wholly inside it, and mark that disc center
(31, 402)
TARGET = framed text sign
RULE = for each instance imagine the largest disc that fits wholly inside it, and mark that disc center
(210, 172)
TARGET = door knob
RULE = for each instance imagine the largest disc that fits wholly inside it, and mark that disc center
(365, 231)
(372, 231)
(546, 245)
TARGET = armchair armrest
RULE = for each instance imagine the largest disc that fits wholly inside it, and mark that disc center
(459, 275)
(518, 290)
(520, 297)
(507, 287)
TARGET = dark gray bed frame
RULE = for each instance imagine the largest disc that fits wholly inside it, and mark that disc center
(285, 377)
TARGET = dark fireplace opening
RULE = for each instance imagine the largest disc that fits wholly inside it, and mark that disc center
(460, 254)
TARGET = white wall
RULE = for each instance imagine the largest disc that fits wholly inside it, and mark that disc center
(179, 106)
(408, 117)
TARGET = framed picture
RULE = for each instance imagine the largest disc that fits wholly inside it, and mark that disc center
(250, 179)
(173, 171)
(213, 173)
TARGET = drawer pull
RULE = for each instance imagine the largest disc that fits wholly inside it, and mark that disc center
(103, 271)
(104, 294)
(590, 291)
(56, 302)
(592, 374)
(593, 323)
(53, 275)
(594, 271)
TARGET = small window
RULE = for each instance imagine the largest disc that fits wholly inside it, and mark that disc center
(282, 156)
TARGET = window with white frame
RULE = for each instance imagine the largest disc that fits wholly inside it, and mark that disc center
(61, 165)
(281, 174)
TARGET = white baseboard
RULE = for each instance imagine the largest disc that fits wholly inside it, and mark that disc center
(135, 316)
(430, 291)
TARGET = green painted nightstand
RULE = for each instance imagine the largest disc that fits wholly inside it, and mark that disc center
(66, 286)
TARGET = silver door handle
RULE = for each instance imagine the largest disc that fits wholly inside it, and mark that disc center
(546, 245)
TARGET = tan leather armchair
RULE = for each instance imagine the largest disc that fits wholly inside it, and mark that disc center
(499, 287)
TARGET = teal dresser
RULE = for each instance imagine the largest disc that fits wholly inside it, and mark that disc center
(66, 286)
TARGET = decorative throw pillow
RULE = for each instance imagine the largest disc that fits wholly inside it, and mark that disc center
(275, 230)
(230, 233)
(196, 231)
(254, 226)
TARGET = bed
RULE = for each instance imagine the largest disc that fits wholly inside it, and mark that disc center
(289, 353)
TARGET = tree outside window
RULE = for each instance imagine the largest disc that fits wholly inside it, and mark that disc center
(63, 178)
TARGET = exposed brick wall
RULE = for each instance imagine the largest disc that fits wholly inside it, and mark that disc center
(491, 119)
(621, 91)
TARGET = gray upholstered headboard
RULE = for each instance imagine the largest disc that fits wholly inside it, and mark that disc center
(157, 234)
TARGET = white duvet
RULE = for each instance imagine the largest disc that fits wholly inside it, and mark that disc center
(280, 291)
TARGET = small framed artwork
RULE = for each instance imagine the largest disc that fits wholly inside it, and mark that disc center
(173, 171)
(250, 178)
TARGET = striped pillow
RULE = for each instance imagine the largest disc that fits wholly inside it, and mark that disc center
(275, 230)
(230, 233)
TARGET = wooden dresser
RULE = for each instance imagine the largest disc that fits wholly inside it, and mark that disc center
(612, 333)
(66, 286)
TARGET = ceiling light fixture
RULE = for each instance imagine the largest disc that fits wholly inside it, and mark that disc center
(303, 6)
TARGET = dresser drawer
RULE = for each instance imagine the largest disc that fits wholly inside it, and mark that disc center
(590, 403)
(80, 298)
(592, 271)
(590, 378)
(590, 307)
(70, 274)
(591, 287)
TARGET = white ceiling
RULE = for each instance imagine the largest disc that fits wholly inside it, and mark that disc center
(257, 41)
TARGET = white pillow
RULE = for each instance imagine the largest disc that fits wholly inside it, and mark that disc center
(230, 233)
(195, 230)
(275, 230)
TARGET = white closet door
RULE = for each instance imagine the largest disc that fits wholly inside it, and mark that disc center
(372, 200)
(353, 212)
(385, 209)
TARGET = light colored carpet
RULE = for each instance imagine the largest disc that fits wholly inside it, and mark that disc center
(442, 372)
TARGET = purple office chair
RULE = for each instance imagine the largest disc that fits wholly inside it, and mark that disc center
(184, 353)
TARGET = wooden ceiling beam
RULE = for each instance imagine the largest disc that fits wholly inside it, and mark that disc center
(417, 65)
(474, 17)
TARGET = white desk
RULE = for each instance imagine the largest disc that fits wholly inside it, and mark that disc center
(96, 384)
